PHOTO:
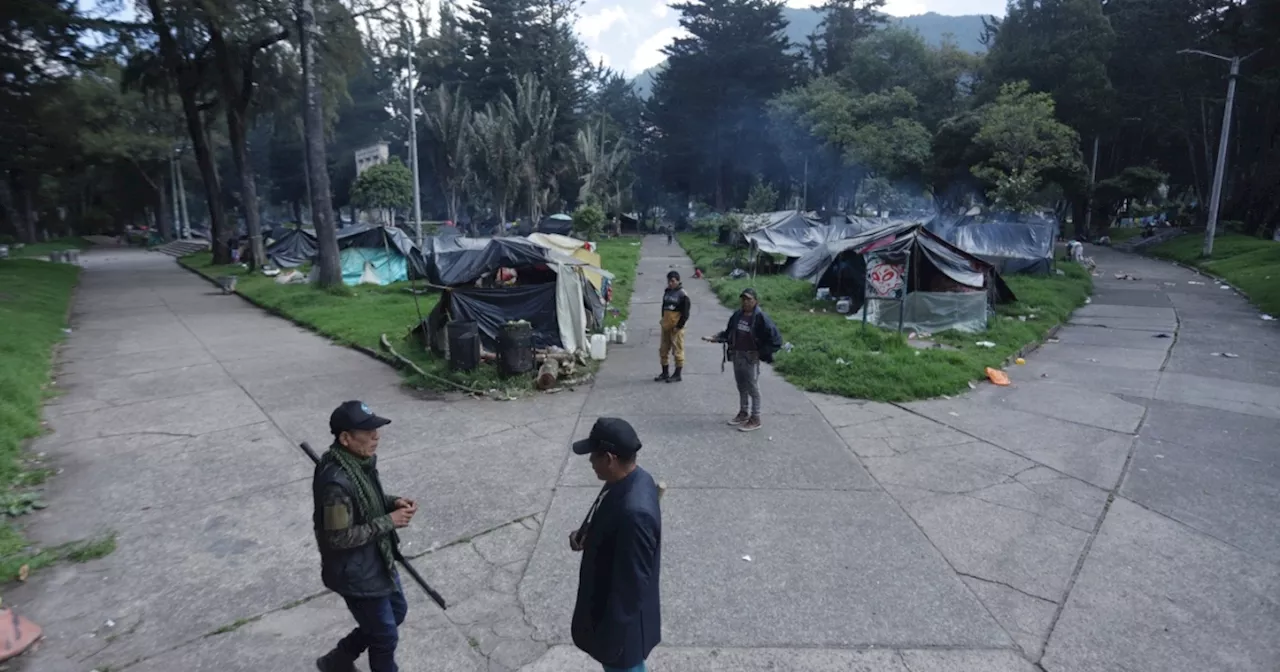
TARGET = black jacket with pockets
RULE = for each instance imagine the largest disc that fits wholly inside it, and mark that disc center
(617, 619)
(351, 571)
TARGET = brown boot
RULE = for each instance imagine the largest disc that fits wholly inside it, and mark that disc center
(740, 418)
(751, 425)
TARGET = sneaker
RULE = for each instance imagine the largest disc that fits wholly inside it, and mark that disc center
(740, 418)
(751, 425)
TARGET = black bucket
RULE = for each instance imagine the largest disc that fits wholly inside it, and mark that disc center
(515, 348)
(464, 345)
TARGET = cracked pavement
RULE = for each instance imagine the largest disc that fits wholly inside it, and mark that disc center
(1113, 509)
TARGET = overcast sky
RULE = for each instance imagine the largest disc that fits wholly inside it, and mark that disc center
(629, 35)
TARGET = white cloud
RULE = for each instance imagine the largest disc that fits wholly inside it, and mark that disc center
(649, 53)
(598, 57)
(661, 9)
(905, 7)
(592, 25)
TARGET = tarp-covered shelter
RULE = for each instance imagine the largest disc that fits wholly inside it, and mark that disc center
(1011, 244)
(945, 287)
(373, 254)
(557, 311)
(456, 260)
(291, 248)
(578, 250)
(536, 282)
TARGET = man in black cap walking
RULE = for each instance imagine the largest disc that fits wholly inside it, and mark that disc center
(675, 313)
(616, 619)
(355, 525)
(750, 338)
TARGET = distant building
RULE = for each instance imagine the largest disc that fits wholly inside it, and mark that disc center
(372, 155)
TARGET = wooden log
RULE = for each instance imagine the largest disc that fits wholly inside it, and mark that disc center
(548, 374)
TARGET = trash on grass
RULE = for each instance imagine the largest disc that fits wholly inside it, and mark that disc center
(985, 344)
(1268, 317)
(747, 558)
(1228, 355)
(1019, 361)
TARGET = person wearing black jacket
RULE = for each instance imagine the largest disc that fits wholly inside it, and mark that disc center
(675, 313)
(750, 338)
(617, 618)
(355, 525)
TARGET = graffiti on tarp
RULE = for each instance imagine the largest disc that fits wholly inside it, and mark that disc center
(885, 278)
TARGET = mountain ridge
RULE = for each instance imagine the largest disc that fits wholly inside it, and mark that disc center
(965, 30)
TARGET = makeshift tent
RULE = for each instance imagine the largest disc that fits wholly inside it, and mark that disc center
(559, 312)
(455, 260)
(1011, 244)
(381, 255)
(561, 224)
(945, 287)
(291, 247)
(579, 250)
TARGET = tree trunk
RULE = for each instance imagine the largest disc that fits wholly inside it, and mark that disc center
(248, 186)
(330, 272)
(164, 218)
(188, 86)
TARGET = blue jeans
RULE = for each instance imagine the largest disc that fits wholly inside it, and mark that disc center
(377, 620)
(637, 668)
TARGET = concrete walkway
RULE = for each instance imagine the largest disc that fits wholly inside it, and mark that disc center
(1114, 509)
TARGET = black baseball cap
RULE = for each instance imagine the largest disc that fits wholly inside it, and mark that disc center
(612, 435)
(354, 415)
(749, 292)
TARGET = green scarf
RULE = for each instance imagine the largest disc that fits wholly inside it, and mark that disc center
(371, 503)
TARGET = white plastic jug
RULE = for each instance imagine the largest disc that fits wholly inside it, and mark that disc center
(622, 333)
(598, 342)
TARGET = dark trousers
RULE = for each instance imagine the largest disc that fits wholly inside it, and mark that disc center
(377, 623)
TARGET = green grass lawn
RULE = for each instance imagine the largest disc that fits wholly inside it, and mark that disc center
(620, 256)
(43, 249)
(360, 315)
(1252, 264)
(880, 364)
(34, 296)
(1119, 235)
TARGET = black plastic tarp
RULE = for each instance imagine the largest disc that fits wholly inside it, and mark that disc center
(292, 247)
(1012, 245)
(455, 260)
(366, 236)
(490, 309)
(937, 255)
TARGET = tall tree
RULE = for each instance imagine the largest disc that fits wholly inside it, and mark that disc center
(708, 104)
(844, 24)
(1026, 142)
(450, 130)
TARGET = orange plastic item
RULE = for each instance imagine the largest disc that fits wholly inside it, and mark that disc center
(997, 377)
(17, 634)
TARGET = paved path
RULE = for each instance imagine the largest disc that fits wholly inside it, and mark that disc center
(1114, 509)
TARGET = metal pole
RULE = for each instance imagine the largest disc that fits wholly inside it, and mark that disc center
(413, 144)
(182, 196)
(1215, 201)
(173, 189)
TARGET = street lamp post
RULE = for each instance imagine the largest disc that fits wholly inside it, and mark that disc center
(1215, 199)
(413, 142)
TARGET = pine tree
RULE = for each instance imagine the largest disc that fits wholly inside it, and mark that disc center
(708, 104)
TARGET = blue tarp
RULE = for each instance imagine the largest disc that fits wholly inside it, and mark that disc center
(385, 266)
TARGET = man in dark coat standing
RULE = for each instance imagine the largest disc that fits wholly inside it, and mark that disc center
(355, 524)
(617, 619)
